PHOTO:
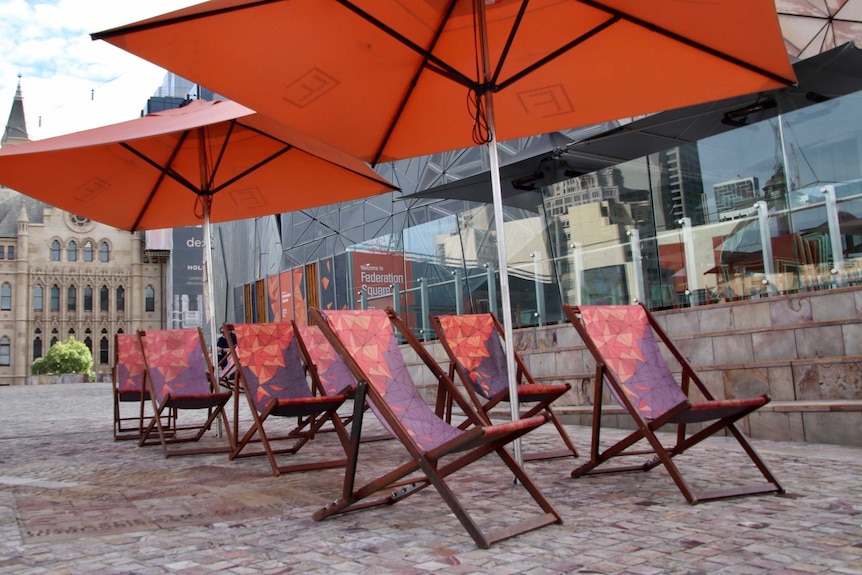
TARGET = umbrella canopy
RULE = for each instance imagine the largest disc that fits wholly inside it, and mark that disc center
(814, 26)
(166, 169)
(393, 79)
(156, 171)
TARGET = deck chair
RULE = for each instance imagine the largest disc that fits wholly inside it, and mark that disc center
(272, 376)
(329, 372)
(622, 339)
(179, 376)
(367, 343)
(128, 388)
(474, 345)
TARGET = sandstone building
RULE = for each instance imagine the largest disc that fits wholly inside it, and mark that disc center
(63, 275)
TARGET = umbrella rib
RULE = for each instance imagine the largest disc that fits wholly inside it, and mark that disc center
(688, 42)
(515, 27)
(162, 173)
(165, 171)
(439, 65)
(289, 147)
(556, 53)
(250, 169)
(429, 61)
(225, 144)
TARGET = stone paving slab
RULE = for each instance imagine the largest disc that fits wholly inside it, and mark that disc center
(73, 501)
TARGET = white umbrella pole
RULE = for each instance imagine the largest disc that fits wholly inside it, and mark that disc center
(496, 190)
(208, 295)
(497, 195)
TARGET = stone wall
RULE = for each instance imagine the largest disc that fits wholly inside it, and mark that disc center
(57, 378)
(805, 350)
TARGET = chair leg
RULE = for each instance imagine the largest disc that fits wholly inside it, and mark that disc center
(569, 451)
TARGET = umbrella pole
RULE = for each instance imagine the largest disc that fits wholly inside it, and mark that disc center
(208, 296)
(496, 190)
(497, 195)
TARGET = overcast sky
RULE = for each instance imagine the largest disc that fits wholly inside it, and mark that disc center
(69, 82)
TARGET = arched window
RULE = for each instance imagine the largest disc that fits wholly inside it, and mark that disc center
(72, 251)
(104, 252)
(55, 251)
(88, 298)
(37, 345)
(88, 251)
(88, 341)
(121, 299)
(55, 297)
(71, 298)
(103, 298)
(103, 348)
(5, 351)
(38, 294)
(6, 297)
(150, 298)
(54, 337)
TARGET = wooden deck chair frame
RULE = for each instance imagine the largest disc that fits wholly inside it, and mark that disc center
(538, 397)
(715, 415)
(466, 447)
(127, 389)
(212, 400)
(311, 411)
(227, 372)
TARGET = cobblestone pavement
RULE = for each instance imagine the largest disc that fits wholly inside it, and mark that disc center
(72, 500)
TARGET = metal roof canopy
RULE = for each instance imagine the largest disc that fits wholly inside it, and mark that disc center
(522, 176)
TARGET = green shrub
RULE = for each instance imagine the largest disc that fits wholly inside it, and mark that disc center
(70, 356)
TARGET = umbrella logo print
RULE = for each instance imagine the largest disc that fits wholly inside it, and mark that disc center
(546, 102)
(91, 190)
(248, 198)
(309, 87)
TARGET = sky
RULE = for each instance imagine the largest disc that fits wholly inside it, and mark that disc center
(70, 82)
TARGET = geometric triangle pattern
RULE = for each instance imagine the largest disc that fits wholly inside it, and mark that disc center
(271, 365)
(475, 343)
(333, 373)
(369, 337)
(130, 364)
(629, 349)
(176, 363)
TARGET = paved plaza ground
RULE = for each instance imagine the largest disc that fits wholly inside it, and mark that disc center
(72, 500)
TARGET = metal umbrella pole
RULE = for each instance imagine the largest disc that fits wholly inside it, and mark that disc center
(497, 195)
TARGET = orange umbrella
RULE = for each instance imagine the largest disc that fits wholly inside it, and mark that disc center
(205, 162)
(392, 79)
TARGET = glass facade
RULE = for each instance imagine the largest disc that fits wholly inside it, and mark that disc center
(769, 208)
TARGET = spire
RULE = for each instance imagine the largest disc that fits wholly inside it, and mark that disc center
(23, 218)
(16, 126)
